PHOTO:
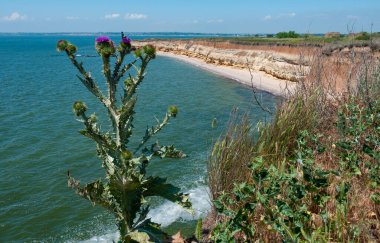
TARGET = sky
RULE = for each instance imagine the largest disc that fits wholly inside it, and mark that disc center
(201, 16)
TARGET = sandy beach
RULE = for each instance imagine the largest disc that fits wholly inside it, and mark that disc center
(259, 80)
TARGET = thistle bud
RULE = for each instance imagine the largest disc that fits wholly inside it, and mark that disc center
(104, 46)
(138, 53)
(173, 111)
(61, 45)
(71, 49)
(150, 51)
(93, 118)
(79, 108)
(128, 82)
(126, 155)
(125, 44)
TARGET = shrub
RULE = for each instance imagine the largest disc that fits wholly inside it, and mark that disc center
(362, 36)
(125, 186)
(290, 34)
(279, 195)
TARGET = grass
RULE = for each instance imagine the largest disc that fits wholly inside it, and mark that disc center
(329, 44)
(235, 147)
(311, 175)
(302, 39)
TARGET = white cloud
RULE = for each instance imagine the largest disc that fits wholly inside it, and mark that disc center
(135, 16)
(112, 16)
(15, 16)
(286, 15)
(215, 21)
(268, 17)
(353, 17)
(195, 21)
(283, 15)
(72, 17)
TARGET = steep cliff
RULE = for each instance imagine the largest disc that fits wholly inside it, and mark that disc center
(283, 64)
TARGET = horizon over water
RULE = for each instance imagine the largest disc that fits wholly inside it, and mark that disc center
(40, 140)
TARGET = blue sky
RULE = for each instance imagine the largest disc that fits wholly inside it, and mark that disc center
(206, 16)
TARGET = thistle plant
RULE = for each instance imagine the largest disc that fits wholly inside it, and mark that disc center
(126, 186)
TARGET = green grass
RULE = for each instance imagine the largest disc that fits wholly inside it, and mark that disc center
(303, 40)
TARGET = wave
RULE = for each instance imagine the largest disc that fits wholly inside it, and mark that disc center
(168, 213)
(111, 237)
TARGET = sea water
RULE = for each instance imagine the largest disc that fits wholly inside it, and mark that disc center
(39, 139)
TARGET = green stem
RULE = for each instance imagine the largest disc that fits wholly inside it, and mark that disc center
(110, 82)
(87, 80)
(151, 132)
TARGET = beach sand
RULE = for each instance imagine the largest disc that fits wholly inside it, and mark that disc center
(258, 80)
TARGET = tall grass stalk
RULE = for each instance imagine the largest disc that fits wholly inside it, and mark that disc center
(230, 156)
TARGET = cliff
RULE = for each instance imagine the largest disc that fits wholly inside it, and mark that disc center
(285, 63)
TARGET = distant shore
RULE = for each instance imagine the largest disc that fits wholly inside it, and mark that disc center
(258, 80)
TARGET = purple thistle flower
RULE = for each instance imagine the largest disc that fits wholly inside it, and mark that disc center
(102, 39)
(125, 40)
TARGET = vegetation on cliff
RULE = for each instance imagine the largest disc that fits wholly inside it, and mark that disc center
(310, 175)
(291, 38)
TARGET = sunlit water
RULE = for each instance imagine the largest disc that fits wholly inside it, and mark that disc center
(39, 141)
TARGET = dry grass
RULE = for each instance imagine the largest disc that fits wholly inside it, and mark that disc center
(235, 149)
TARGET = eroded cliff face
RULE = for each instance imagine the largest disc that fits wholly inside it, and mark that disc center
(334, 68)
(285, 64)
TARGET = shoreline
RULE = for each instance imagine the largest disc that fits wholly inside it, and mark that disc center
(261, 81)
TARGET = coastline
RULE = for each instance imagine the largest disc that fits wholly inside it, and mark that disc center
(259, 80)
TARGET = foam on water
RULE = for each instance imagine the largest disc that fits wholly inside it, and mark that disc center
(168, 213)
(104, 238)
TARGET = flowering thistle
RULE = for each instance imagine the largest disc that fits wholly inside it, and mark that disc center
(125, 40)
(125, 44)
(126, 184)
(104, 46)
(102, 39)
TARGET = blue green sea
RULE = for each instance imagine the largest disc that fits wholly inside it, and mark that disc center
(39, 139)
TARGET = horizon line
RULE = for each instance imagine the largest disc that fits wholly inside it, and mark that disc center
(156, 32)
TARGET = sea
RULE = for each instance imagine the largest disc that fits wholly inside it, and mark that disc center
(40, 143)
